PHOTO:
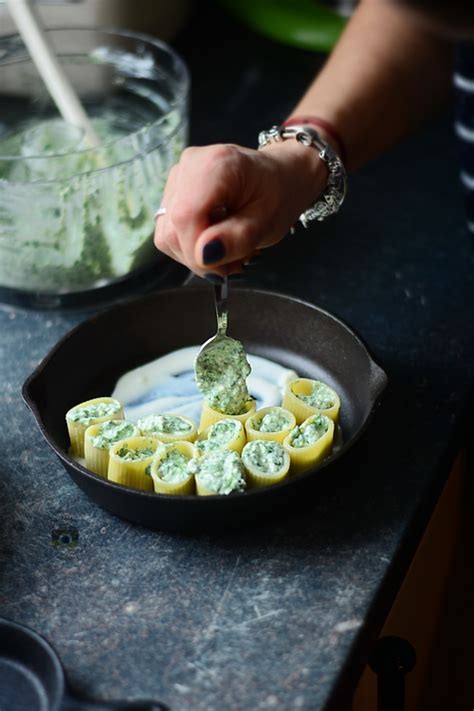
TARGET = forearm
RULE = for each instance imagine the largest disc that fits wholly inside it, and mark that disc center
(385, 76)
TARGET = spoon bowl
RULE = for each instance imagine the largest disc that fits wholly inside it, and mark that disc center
(221, 366)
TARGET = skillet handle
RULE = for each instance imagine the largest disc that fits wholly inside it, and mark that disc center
(72, 703)
(377, 381)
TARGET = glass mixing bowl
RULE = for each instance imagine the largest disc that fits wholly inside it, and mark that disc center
(74, 217)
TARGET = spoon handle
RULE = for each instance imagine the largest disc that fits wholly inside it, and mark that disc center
(49, 67)
(220, 298)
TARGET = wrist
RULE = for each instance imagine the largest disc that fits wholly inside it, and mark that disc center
(327, 130)
(306, 165)
(331, 199)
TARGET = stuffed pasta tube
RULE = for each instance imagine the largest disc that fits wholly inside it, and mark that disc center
(270, 423)
(305, 397)
(90, 412)
(228, 433)
(170, 469)
(209, 416)
(168, 428)
(219, 472)
(310, 442)
(266, 462)
(130, 462)
(99, 438)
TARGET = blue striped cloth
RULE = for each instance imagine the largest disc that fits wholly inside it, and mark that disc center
(464, 123)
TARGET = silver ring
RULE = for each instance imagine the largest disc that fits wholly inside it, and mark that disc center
(161, 211)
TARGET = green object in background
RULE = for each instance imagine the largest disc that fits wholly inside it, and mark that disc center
(301, 23)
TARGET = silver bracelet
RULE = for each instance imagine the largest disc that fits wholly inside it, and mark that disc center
(333, 196)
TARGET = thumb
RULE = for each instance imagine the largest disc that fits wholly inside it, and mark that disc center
(230, 240)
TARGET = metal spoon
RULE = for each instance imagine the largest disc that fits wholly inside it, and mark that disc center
(233, 348)
(221, 292)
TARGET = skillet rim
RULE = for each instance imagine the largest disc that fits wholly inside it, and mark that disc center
(48, 650)
(378, 381)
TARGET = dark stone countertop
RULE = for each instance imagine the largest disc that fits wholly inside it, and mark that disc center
(281, 616)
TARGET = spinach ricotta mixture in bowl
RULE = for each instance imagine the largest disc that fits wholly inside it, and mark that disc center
(265, 456)
(219, 472)
(86, 414)
(111, 432)
(314, 429)
(221, 372)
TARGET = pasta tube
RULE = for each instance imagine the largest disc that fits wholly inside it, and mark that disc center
(227, 433)
(219, 472)
(130, 461)
(309, 443)
(209, 416)
(270, 423)
(90, 412)
(305, 397)
(170, 469)
(168, 428)
(266, 462)
(99, 438)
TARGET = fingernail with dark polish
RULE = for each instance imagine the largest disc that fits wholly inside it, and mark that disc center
(213, 251)
(214, 278)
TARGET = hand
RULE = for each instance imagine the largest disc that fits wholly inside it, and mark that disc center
(225, 202)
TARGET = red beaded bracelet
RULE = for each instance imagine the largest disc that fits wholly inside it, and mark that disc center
(325, 125)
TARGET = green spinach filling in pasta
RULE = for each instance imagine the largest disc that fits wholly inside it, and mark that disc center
(222, 432)
(321, 397)
(220, 472)
(111, 432)
(174, 467)
(132, 454)
(273, 421)
(265, 456)
(88, 413)
(218, 435)
(304, 436)
(167, 424)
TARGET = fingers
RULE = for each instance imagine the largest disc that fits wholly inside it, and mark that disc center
(223, 202)
(165, 237)
(197, 193)
(209, 181)
(231, 240)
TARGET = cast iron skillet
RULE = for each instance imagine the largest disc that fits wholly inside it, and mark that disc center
(32, 678)
(88, 361)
